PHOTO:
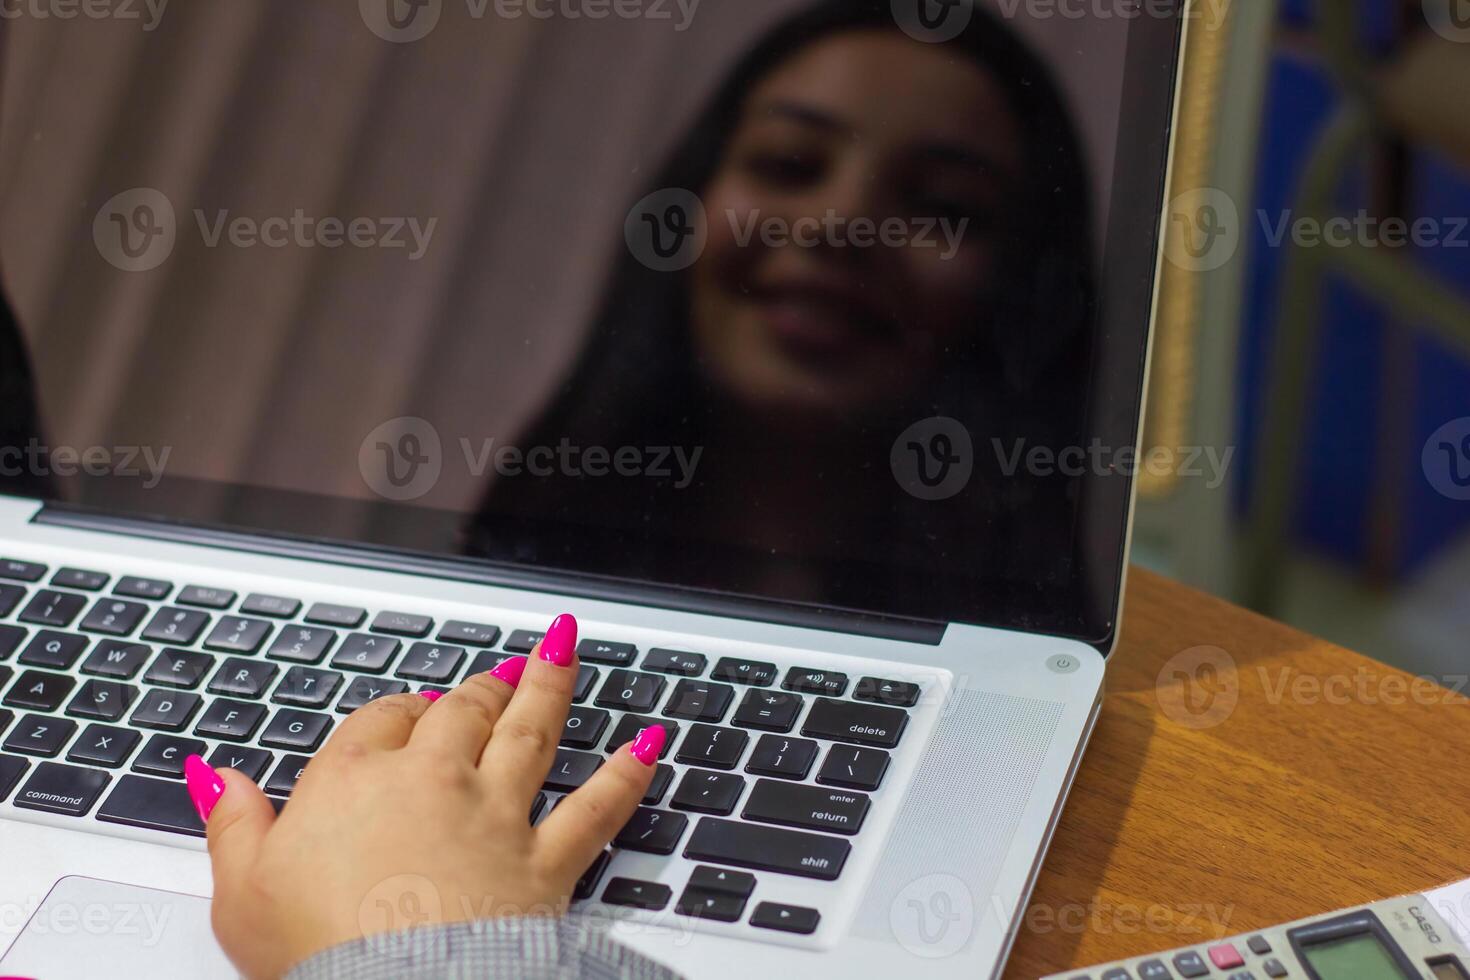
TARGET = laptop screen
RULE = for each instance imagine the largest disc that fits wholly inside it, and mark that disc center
(840, 303)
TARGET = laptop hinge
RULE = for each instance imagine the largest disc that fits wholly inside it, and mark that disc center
(505, 576)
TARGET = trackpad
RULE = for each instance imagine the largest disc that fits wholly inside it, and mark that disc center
(88, 928)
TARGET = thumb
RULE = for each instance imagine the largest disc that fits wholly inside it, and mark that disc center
(237, 817)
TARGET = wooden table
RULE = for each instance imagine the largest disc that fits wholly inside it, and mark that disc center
(1334, 780)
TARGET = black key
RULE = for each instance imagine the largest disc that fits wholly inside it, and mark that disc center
(274, 606)
(785, 918)
(722, 880)
(716, 748)
(11, 769)
(587, 884)
(303, 644)
(652, 831)
(638, 894)
(182, 669)
(523, 641)
(402, 624)
(537, 805)
(770, 711)
(715, 906)
(607, 652)
(21, 571)
(371, 654)
(80, 578)
(243, 678)
(67, 790)
(584, 728)
(805, 680)
(135, 587)
(114, 617)
(854, 767)
(569, 770)
(303, 731)
(749, 845)
(51, 608)
(1190, 965)
(663, 778)
(785, 758)
(173, 625)
(5, 675)
(252, 762)
(6, 715)
(677, 662)
(700, 701)
(10, 637)
(754, 672)
(708, 792)
(153, 804)
(10, 596)
(111, 658)
(306, 687)
(486, 660)
(837, 811)
(288, 772)
(629, 726)
(365, 689)
(49, 648)
(236, 634)
(169, 710)
(900, 694)
(435, 663)
(586, 681)
(470, 634)
(102, 700)
(848, 721)
(39, 735)
(103, 745)
(206, 597)
(233, 721)
(328, 614)
(164, 755)
(627, 690)
(39, 691)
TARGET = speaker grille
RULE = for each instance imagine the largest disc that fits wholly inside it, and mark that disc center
(964, 804)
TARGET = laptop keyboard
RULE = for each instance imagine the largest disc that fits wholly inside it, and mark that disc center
(768, 768)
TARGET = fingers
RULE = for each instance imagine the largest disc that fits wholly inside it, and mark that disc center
(237, 823)
(379, 725)
(462, 720)
(582, 824)
(524, 741)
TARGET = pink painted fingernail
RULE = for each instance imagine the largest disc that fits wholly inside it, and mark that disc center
(431, 696)
(204, 785)
(560, 644)
(648, 744)
(510, 670)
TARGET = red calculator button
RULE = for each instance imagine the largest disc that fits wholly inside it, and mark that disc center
(1225, 957)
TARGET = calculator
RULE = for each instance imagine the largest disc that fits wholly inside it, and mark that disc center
(1412, 937)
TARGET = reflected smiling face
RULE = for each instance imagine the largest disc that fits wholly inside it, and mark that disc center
(865, 136)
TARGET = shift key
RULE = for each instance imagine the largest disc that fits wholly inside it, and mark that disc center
(767, 849)
(851, 721)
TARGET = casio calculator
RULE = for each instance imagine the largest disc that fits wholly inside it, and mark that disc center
(1412, 937)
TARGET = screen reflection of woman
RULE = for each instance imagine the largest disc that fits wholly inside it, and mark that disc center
(787, 360)
(793, 366)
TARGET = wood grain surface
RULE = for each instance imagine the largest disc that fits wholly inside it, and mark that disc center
(1215, 799)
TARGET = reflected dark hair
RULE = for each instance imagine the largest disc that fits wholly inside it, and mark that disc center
(636, 375)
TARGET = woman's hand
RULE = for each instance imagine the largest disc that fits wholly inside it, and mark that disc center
(416, 811)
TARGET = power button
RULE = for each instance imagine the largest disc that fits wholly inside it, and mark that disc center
(1063, 663)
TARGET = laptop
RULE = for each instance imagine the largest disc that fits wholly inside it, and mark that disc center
(797, 347)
